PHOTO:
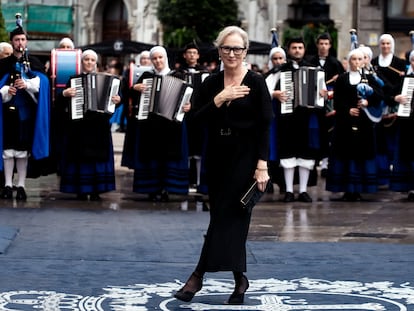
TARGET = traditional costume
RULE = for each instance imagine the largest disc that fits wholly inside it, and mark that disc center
(87, 157)
(156, 148)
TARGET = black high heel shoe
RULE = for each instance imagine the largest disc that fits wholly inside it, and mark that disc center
(237, 297)
(195, 281)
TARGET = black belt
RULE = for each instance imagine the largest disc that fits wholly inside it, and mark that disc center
(11, 107)
(226, 131)
(233, 132)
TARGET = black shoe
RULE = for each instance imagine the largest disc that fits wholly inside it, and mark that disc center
(410, 197)
(164, 196)
(21, 194)
(351, 197)
(82, 197)
(195, 282)
(357, 196)
(94, 197)
(152, 197)
(237, 297)
(289, 197)
(7, 193)
(304, 197)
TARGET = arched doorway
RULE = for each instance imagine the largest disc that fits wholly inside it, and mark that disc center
(115, 21)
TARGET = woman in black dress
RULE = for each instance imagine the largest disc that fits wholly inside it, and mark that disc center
(235, 106)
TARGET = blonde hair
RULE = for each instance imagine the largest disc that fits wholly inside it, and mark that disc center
(230, 30)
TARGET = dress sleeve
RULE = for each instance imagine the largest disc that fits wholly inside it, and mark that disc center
(265, 117)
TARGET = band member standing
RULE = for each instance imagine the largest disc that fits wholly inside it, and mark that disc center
(383, 158)
(156, 148)
(235, 106)
(277, 57)
(333, 68)
(402, 175)
(6, 49)
(24, 113)
(192, 72)
(390, 69)
(299, 131)
(87, 159)
(352, 165)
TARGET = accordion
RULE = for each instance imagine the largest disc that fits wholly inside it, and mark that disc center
(404, 110)
(303, 87)
(164, 96)
(94, 92)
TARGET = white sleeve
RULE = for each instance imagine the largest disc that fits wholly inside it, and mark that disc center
(5, 94)
(33, 85)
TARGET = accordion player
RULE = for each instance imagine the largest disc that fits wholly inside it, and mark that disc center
(303, 86)
(94, 92)
(164, 96)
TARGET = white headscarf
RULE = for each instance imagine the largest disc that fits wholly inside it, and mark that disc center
(68, 41)
(91, 53)
(388, 37)
(385, 61)
(367, 50)
(163, 51)
(273, 51)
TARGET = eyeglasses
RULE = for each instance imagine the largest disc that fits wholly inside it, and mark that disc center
(236, 49)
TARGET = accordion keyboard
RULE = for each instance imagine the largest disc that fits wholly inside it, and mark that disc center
(145, 100)
(286, 85)
(78, 100)
(404, 110)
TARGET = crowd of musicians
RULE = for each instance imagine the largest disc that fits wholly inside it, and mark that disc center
(354, 122)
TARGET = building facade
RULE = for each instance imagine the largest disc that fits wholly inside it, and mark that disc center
(93, 21)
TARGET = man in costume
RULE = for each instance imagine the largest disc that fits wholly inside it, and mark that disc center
(24, 113)
(300, 144)
(332, 68)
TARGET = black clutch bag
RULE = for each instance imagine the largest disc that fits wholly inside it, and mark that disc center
(252, 196)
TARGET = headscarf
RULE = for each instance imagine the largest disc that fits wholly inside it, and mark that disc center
(385, 60)
(91, 53)
(273, 51)
(388, 37)
(68, 41)
(163, 51)
(367, 50)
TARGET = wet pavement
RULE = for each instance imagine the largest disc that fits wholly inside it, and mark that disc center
(126, 253)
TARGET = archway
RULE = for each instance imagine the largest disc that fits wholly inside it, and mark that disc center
(115, 21)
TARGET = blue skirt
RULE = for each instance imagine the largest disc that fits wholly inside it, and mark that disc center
(88, 177)
(402, 174)
(352, 175)
(154, 176)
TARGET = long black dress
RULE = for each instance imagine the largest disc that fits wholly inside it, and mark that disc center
(238, 135)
